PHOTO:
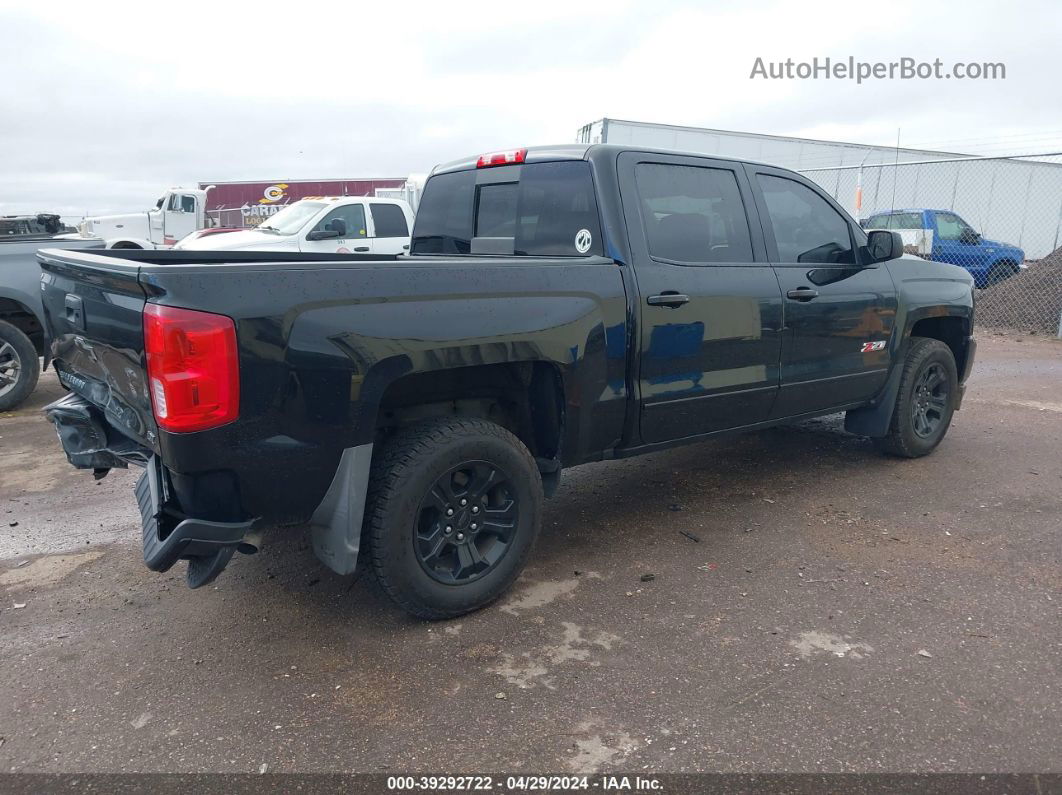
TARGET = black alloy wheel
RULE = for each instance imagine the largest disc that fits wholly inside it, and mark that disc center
(466, 522)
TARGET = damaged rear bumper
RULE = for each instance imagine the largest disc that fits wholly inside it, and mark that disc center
(168, 534)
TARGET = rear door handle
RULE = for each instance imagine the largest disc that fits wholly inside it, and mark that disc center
(671, 299)
(361, 248)
(803, 294)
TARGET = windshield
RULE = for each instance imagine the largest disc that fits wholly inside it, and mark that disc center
(292, 218)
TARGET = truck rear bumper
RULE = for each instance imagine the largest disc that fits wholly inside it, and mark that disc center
(168, 537)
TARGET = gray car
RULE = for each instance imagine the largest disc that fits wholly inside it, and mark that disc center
(21, 327)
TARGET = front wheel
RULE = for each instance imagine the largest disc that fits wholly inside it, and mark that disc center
(925, 403)
(453, 510)
(19, 366)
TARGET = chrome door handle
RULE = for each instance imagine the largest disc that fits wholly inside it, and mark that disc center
(669, 299)
(803, 294)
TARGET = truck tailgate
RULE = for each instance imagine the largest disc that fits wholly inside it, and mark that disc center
(93, 311)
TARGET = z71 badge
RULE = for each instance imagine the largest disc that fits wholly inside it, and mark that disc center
(870, 347)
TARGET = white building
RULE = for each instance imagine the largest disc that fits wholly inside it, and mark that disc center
(1011, 199)
(779, 150)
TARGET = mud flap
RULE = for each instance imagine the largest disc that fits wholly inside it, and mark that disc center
(336, 524)
(874, 420)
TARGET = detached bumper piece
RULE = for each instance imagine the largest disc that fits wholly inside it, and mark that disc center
(85, 437)
(169, 537)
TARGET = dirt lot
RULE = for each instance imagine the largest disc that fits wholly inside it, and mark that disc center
(841, 611)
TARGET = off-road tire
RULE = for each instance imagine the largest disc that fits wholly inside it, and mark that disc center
(902, 439)
(29, 366)
(404, 470)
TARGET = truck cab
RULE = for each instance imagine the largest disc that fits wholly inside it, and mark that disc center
(177, 213)
(321, 225)
(942, 235)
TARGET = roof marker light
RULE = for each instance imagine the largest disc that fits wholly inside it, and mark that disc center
(508, 158)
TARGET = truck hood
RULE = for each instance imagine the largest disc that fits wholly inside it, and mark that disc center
(129, 225)
(246, 239)
(1002, 248)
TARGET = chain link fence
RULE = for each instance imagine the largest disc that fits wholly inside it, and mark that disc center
(998, 217)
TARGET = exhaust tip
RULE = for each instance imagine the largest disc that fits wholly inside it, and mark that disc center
(251, 543)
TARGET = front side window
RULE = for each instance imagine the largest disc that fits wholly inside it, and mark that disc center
(693, 214)
(348, 220)
(951, 227)
(807, 229)
(545, 209)
(388, 220)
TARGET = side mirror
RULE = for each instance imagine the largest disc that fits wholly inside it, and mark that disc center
(970, 237)
(323, 234)
(883, 245)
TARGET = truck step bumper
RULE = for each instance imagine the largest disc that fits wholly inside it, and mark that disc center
(168, 538)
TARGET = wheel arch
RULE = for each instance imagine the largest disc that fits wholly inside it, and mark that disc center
(525, 397)
(128, 243)
(19, 315)
(953, 330)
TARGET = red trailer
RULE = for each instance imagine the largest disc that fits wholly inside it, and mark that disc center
(243, 204)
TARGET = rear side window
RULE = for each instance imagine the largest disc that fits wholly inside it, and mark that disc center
(389, 220)
(693, 214)
(806, 228)
(537, 209)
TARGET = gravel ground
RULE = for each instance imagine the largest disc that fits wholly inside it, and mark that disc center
(834, 610)
(1031, 301)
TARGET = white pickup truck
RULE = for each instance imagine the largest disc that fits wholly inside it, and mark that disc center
(339, 224)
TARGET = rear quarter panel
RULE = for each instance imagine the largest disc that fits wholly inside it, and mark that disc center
(319, 347)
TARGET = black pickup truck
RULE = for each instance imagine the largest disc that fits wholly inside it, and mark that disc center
(558, 306)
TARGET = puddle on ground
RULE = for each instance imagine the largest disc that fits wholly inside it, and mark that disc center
(811, 642)
(47, 570)
(540, 594)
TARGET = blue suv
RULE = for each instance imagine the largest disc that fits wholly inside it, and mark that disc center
(952, 240)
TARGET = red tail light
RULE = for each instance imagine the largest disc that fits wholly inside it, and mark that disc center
(192, 367)
(502, 158)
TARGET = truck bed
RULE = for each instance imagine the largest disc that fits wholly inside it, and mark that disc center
(318, 353)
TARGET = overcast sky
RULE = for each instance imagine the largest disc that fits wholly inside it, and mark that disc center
(106, 104)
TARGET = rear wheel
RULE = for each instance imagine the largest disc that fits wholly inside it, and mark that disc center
(929, 386)
(19, 366)
(454, 507)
